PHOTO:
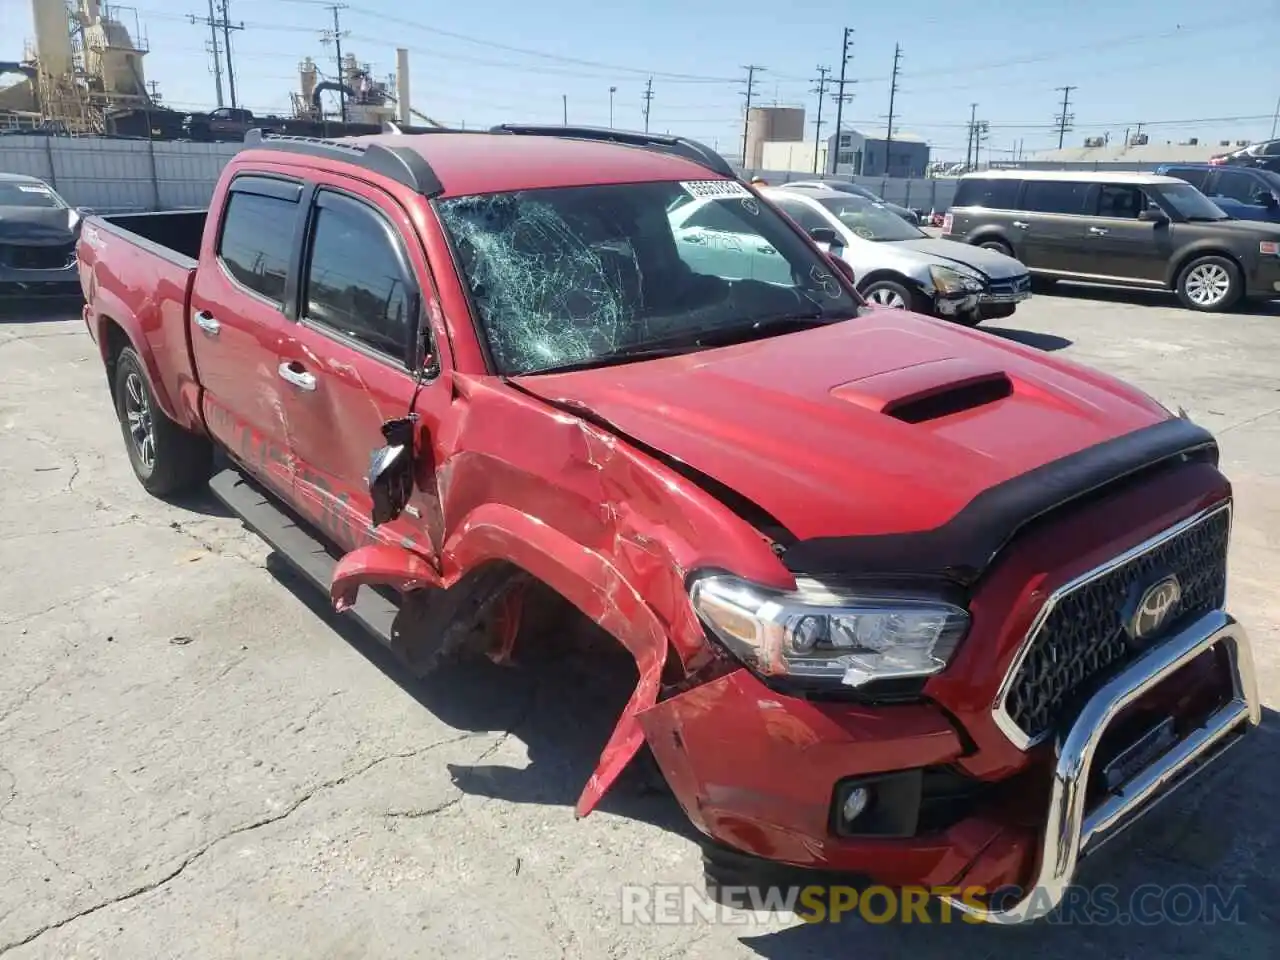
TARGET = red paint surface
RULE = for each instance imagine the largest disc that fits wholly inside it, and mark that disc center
(794, 423)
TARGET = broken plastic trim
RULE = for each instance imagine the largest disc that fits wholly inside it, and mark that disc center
(391, 470)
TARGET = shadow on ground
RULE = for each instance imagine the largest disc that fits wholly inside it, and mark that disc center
(562, 705)
(39, 309)
(1047, 342)
(1152, 298)
(1212, 848)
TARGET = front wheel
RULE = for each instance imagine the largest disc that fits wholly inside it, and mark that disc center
(999, 246)
(891, 294)
(1209, 284)
(166, 459)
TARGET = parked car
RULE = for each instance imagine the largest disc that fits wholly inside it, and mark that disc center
(1264, 155)
(1246, 193)
(38, 231)
(847, 186)
(906, 601)
(898, 265)
(1132, 229)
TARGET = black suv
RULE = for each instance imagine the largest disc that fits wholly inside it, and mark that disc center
(1133, 229)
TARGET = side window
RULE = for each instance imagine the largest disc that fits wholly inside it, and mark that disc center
(1237, 186)
(1055, 196)
(1121, 200)
(355, 284)
(801, 213)
(713, 216)
(1192, 175)
(1000, 194)
(257, 241)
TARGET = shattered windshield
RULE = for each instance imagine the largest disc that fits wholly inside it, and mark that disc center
(582, 276)
(870, 220)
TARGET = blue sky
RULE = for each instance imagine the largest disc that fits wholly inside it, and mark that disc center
(1183, 68)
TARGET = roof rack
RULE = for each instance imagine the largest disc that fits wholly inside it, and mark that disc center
(404, 166)
(692, 150)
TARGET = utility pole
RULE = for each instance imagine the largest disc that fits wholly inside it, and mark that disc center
(564, 99)
(335, 36)
(212, 22)
(981, 130)
(893, 92)
(1064, 119)
(648, 100)
(821, 91)
(1275, 118)
(746, 113)
(840, 96)
(968, 150)
(612, 91)
(227, 27)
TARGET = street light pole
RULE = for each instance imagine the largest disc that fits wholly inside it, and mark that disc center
(612, 91)
(565, 97)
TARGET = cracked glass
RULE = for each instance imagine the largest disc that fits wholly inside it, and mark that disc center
(570, 277)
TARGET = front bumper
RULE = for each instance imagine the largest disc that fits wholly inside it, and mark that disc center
(60, 281)
(1071, 832)
(1264, 281)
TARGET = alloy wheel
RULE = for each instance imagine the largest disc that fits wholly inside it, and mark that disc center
(887, 297)
(1208, 284)
(137, 410)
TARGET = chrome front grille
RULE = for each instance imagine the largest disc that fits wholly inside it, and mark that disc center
(1080, 637)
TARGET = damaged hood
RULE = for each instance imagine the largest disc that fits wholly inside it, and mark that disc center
(889, 423)
(37, 225)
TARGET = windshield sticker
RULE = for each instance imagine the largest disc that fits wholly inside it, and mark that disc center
(714, 189)
(749, 204)
(28, 188)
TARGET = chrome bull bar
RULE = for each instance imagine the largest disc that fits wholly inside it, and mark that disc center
(1070, 834)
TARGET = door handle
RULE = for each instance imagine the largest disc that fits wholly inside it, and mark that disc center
(207, 322)
(1021, 224)
(1098, 231)
(299, 378)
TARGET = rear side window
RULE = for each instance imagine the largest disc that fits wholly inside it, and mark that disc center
(256, 242)
(356, 284)
(1191, 175)
(1055, 196)
(999, 194)
(713, 216)
(1238, 186)
(805, 216)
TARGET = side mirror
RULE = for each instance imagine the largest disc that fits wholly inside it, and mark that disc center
(1153, 215)
(1267, 200)
(825, 235)
(390, 477)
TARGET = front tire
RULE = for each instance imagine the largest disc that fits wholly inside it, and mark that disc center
(891, 294)
(999, 246)
(1209, 284)
(165, 458)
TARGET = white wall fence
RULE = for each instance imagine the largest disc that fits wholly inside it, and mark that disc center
(922, 194)
(120, 175)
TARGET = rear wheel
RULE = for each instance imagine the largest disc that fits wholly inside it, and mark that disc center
(166, 459)
(999, 246)
(1209, 284)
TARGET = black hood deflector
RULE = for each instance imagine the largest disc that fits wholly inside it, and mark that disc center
(962, 549)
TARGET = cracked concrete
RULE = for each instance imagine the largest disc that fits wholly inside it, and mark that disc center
(276, 787)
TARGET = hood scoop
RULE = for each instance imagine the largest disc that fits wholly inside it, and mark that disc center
(928, 391)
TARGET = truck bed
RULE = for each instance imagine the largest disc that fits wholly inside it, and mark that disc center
(170, 234)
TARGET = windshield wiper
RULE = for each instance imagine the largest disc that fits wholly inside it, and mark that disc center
(614, 357)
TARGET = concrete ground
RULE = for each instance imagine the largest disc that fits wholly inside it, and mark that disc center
(197, 761)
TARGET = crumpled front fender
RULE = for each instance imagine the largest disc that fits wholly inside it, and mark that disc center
(378, 563)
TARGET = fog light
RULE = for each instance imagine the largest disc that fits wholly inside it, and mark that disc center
(854, 803)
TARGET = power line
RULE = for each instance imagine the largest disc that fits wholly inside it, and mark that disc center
(893, 92)
(840, 96)
(335, 36)
(215, 23)
(746, 113)
(821, 91)
(1064, 119)
(648, 102)
(227, 27)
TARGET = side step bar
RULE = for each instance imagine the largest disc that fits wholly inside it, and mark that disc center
(305, 552)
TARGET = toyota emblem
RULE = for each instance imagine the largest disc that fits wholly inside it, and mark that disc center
(1156, 607)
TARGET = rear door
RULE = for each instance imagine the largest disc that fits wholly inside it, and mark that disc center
(1055, 211)
(347, 365)
(238, 320)
(1121, 246)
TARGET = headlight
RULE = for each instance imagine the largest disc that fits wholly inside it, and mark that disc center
(814, 634)
(949, 281)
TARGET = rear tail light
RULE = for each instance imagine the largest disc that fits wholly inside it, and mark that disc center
(946, 223)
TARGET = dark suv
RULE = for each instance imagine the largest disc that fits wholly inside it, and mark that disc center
(1132, 229)
(1246, 193)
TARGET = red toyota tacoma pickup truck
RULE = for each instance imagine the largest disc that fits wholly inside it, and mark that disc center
(907, 601)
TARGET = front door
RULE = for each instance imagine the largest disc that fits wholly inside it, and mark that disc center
(348, 365)
(238, 321)
(1120, 245)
